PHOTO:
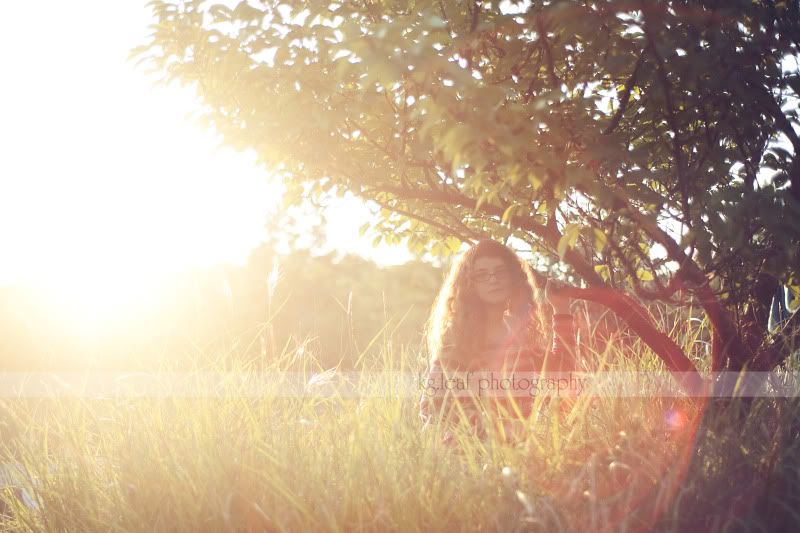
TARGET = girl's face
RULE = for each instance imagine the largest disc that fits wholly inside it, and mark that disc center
(492, 280)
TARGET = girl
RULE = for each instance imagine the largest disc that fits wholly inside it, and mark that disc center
(488, 316)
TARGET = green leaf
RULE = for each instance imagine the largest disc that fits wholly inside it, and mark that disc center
(481, 200)
(568, 240)
(794, 305)
(508, 213)
(600, 239)
(603, 271)
(220, 12)
(453, 244)
(534, 180)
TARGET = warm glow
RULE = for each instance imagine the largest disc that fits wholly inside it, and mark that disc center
(93, 300)
(108, 184)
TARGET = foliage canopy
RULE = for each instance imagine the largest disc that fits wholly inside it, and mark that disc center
(647, 145)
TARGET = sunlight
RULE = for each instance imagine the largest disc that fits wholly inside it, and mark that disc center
(344, 217)
(110, 185)
(90, 300)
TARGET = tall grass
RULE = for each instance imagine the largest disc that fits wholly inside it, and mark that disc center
(237, 462)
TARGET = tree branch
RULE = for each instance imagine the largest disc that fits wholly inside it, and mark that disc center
(447, 230)
(550, 235)
(637, 319)
(548, 53)
(677, 151)
(476, 10)
(626, 95)
(720, 319)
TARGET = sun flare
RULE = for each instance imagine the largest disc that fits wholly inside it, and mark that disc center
(110, 186)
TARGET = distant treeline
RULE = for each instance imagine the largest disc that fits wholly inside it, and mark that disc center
(331, 309)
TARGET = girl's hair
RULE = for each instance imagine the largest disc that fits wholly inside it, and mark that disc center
(455, 329)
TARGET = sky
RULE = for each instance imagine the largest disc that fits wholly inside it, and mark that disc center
(104, 174)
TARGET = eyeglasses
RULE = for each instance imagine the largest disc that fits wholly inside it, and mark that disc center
(500, 274)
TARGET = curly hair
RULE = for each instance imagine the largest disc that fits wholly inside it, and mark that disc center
(455, 328)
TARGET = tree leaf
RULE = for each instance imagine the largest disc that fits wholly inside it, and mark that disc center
(568, 239)
(600, 239)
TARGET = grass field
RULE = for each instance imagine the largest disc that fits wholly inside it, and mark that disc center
(235, 461)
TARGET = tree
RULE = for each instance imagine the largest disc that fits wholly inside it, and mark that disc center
(650, 146)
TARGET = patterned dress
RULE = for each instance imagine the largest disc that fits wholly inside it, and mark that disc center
(447, 388)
